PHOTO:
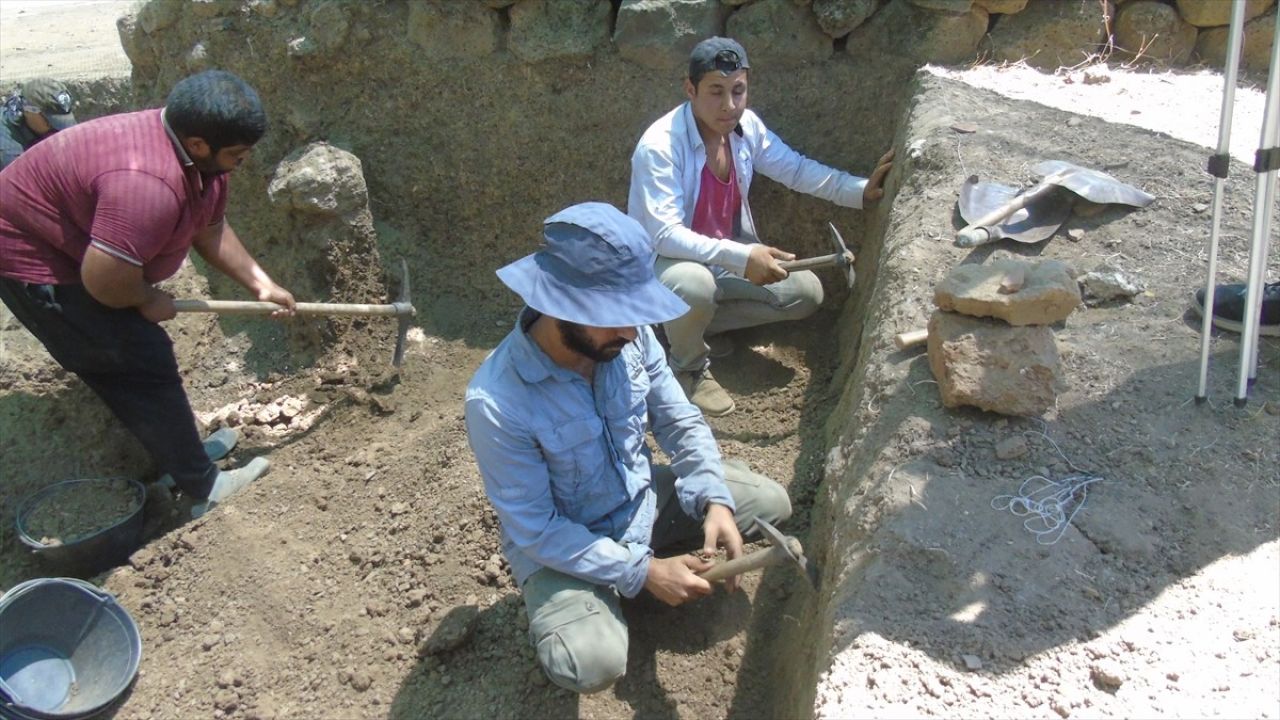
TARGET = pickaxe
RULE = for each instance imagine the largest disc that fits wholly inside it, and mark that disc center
(841, 258)
(402, 309)
(782, 549)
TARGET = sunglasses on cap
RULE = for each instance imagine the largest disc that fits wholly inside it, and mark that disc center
(728, 61)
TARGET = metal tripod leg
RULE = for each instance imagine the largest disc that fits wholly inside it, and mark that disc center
(1218, 165)
(1264, 194)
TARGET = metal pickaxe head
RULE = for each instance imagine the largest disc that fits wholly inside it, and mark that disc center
(841, 258)
(845, 261)
(405, 312)
(791, 546)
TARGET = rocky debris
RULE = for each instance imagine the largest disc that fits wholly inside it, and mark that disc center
(971, 662)
(993, 366)
(277, 416)
(454, 629)
(320, 179)
(1211, 45)
(558, 29)
(779, 33)
(1107, 284)
(1047, 295)
(659, 34)
(1012, 447)
(1048, 35)
(838, 17)
(453, 30)
(905, 30)
(1151, 30)
(1107, 674)
(1212, 13)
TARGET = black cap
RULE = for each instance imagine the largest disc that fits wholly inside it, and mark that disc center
(722, 54)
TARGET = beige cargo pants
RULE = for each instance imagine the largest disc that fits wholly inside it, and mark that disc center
(577, 627)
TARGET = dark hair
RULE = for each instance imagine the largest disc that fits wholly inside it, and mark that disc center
(217, 107)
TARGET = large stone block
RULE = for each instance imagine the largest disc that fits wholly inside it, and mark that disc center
(1212, 13)
(660, 33)
(1211, 44)
(779, 33)
(1049, 34)
(904, 29)
(838, 17)
(1154, 31)
(558, 29)
(993, 366)
(453, 30)
(320, 179)
(1047, 293)
(955, 7)
(158, 15)
(1001, 7)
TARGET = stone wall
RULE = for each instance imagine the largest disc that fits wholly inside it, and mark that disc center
(476, 119)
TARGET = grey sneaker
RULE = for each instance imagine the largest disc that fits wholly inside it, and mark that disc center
(230, 482)
(216, 446)
(220, 444)
(703, 390)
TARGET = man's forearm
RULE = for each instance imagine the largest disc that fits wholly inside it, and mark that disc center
(221, 247)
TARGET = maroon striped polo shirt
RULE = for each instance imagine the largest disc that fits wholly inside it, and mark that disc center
(122, 183)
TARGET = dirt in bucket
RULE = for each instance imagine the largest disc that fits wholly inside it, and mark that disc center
(80, 510)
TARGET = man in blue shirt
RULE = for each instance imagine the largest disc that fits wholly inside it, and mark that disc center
(556, 417)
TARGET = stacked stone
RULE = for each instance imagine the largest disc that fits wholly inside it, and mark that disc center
(990, 344)
(658, 34)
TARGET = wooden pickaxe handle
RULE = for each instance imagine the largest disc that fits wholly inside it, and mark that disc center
(908, 339)
(774, 555)
(813, 262)
(245, 307)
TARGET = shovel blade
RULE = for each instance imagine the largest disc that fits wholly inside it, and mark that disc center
(1093, 185)
(1030, 224)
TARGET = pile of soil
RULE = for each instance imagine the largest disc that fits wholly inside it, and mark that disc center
(81, 509)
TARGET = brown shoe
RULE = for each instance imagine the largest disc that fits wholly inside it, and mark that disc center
(703, 391)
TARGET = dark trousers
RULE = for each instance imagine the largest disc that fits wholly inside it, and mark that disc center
(128, 361)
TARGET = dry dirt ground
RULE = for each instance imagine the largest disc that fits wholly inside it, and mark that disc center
(325, 590)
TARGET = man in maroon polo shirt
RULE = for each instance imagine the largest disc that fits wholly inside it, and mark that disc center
(95, 215)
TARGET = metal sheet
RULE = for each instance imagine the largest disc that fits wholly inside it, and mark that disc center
(1028, 225)
(1093, 185)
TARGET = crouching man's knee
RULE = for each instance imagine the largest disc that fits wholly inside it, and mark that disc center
(582, 644)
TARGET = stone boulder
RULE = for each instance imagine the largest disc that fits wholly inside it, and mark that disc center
(1001, 7)
(1211, 45)
(328, 26)
(905, 30)
(779, 33)
(1048, 294)
(1049, 35)
(993, 366)
(1212, 13)
(955, 7)
(838, 17)
(558, 29)
(1153, 31)
(158, 15)
(453, 30)
(320, 180)
(659, 34)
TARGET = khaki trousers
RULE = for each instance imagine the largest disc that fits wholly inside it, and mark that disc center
(720, 302)
(577, 627)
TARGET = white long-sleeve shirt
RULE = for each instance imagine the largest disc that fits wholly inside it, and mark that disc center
(666, 171)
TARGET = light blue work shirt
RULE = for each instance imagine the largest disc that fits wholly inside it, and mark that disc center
(565, 463)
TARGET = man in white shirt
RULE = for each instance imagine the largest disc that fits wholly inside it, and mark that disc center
(690, 175)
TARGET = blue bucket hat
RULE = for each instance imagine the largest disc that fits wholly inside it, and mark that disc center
(595, 268)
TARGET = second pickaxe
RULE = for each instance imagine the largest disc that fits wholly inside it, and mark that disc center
(782, 549)
(841, 258)
(402, 309)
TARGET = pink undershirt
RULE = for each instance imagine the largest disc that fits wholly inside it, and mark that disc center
(718, 205)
